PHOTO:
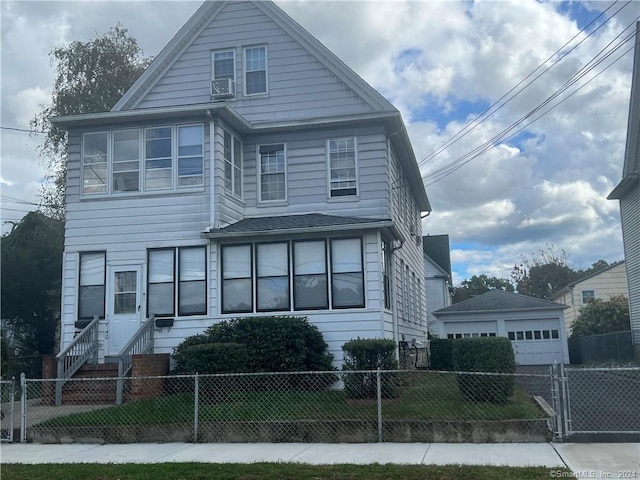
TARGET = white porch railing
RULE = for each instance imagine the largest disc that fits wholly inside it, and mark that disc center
(74, 355)
(140, 343)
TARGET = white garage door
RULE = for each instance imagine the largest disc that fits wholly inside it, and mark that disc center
(470, 329)
(535, 342)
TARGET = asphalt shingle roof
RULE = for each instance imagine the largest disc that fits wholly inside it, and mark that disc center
(285, 223)
(496, 300)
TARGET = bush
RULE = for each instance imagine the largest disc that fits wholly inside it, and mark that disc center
(441, 357)
(369, 354)
(485, 354)
(211, 358)
(268, 344)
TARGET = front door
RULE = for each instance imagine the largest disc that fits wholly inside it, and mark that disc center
(124, 306)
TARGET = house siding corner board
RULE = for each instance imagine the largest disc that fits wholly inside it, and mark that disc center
(298, 85)
(630, 217)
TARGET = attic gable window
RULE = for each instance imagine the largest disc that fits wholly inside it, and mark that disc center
(255, 73)
(223, 65)
(342, 166)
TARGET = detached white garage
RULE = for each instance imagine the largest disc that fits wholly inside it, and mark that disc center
(534, 326)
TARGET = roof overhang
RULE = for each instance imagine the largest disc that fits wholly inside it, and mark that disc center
(625, 186)
(467, 313)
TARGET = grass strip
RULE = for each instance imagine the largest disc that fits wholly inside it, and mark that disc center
(272, 471)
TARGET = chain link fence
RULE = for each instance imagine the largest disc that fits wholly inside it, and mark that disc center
(7, 409)
(340, 406)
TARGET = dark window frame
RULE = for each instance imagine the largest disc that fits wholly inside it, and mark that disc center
(104, 284)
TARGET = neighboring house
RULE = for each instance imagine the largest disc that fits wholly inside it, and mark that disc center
(628, 193)
(604, 284)
(437, 278)
(247, 172)
(534, 326)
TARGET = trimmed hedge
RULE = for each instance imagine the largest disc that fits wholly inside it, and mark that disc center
(369, 354)
(441, 355)
(489, 355)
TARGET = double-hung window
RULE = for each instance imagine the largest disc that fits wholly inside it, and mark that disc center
(272, 173)
(342, 167)
(126, 160)
(237, 279)
(272, 269)
(94, 162)
(91, 291)
(255, 73)
(386, 272)
(190, 156)
(177, 276)
(224, 65)
(158, 158)
(347, 278)
(588, 296)
(232, 154)
(310, 291)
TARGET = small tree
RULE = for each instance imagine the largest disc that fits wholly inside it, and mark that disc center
(479, 284)
(603, 316)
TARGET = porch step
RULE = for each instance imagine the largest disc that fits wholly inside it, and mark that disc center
(82, 390)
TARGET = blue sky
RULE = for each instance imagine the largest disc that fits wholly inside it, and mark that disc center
(441, 63)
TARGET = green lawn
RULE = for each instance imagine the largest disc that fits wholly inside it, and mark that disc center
(430, 396)
(271, 471)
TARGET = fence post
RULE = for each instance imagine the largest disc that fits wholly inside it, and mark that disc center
(566, 409)
(23, 408)
(12, 405)
(557, 401)
(379, 399)
(196, 391)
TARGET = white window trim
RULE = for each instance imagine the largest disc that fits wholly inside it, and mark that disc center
(213, 70)
(142, 190)
(582, 302)
(232, 191)
(244, 70)
(259, 170)
(339, 198)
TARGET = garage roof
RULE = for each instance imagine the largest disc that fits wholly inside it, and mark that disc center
(499, 300)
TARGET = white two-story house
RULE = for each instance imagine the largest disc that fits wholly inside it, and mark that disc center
(247, 172)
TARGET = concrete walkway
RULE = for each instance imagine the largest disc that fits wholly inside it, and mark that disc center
(587, 460)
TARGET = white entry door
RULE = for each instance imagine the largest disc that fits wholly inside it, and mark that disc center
(124, 306)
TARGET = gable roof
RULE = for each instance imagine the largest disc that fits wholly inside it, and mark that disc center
(586, 277)
(294, 224)
(208, 12)
(499, 300)
(436, 247)
(631, 168)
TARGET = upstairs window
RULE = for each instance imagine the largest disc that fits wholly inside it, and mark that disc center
(158, 166)
(342, 167)
(232, 156)
(190, 156)
(588, 296)
(94, 162)
(223, 65)
(91, 292)
(126, 161)
(272, 173)
(255, 79)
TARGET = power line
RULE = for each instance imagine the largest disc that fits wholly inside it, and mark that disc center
(15, 129)
(600, 57)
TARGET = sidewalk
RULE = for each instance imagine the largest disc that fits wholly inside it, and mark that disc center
(587, 460)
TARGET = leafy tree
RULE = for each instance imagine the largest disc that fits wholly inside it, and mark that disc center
(543, 275)
(603, 316)
(479, 284)
(90, 77)
(31, 256)
(595, 267)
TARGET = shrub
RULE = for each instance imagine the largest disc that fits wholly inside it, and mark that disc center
(270, 344)
(485, 354)
(441, 357)
(211, 358)
(369, 354)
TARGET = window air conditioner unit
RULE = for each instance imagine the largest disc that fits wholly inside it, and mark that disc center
(223, 88)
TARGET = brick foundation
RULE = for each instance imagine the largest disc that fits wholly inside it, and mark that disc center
(49, 371)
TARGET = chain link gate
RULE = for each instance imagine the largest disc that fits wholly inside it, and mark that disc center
(596, 402)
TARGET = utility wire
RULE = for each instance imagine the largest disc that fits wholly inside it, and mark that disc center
(488, 112)
(597, 60)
